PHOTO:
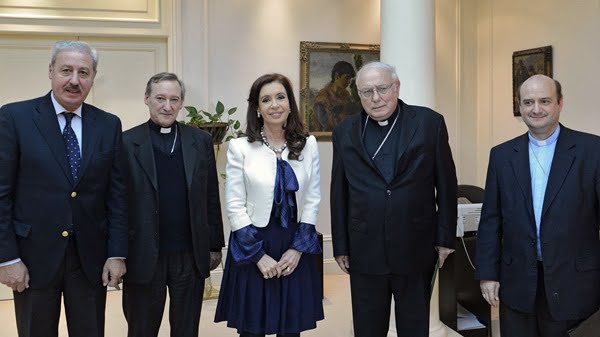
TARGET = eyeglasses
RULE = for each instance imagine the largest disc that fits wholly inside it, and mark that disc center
(381, 90)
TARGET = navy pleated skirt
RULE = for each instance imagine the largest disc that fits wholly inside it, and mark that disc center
(289, 304)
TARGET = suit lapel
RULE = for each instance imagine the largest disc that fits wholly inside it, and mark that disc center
(564, 154)
(47, 123)
(89, 133)
(188, 147)
(357, 142)
(144, 154)
(408, 128)
(520, 165)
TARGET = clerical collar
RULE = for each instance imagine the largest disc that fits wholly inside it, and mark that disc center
(387, 121)
(396, 114)
(548, 141)
(160, 129)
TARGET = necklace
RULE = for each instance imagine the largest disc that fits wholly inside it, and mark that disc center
(264, 139)
(539, 163)
(386, 136)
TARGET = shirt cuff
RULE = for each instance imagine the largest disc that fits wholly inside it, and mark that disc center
(246, 245)
(8, 263)
(306, 239)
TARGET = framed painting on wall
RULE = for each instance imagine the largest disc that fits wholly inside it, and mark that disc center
(526, 63)
(328, 91)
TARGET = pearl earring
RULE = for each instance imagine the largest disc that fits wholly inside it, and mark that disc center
(258, 114)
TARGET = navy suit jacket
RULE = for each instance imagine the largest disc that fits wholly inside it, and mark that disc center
(506, 241)
(394, 227)
(39, 199)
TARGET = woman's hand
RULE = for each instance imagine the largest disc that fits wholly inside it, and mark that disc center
(289, 261)
(268, 267)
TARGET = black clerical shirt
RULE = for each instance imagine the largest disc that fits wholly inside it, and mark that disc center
(386, 158)
(173, 207)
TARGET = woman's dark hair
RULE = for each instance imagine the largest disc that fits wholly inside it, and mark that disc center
(295, 136)
(342, 68)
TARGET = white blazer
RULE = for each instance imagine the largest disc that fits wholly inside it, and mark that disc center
(250, 182)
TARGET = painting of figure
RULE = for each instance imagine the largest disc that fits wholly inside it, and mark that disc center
(328, 91)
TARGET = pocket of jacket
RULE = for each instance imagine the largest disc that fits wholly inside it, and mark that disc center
(506, 259)
(22, 229)
(586, 263)
(358, 225)
(249, 208)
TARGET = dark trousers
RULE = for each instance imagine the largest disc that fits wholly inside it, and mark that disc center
(540, 323)
(38, 310)
(144, 304)
(244, 334)
(371, 303)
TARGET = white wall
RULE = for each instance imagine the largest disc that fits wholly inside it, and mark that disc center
(236, 41)
(505, 26)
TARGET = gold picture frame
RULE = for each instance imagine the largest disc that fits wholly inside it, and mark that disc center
(526, 63)
(321, 63)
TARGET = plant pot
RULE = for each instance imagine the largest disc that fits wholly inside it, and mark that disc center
(217, 130)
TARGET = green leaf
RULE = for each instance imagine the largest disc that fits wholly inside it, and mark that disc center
(237, 125)
(220, 108)
(207, 114)
(232, 111)
(228, 138)
(191, 109)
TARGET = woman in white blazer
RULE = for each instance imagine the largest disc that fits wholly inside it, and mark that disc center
(270, 283)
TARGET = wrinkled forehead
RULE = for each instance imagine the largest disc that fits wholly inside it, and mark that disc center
(538, 88)
(374, 77)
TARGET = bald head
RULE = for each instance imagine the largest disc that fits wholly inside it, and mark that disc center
(540, 104)
(539, 78)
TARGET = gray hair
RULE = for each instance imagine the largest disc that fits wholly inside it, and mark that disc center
(164, 76)
(80, 46)
(391, 70)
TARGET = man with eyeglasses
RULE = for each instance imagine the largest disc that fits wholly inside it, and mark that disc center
(393, 205)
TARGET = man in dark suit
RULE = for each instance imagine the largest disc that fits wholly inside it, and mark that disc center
(63, 221)
(175, 224)
(538, 250)
(393, 204)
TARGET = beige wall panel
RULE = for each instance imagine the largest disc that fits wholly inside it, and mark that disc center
(112, 10)
(124, 68)
(24, 67)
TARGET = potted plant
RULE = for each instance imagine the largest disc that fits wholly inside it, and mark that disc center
(213, 122)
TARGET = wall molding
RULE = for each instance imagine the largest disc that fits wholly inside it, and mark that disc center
(94, 10)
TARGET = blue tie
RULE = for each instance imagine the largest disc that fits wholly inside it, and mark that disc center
(73, 154)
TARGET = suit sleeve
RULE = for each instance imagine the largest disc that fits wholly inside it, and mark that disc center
(313, 189)
(9, 158)
(213, 202)
(116, 201)
(489, 233)
(446, 189)
(339, 202)
(235, 188)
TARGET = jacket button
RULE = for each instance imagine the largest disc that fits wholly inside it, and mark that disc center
(64, 234)
(533, 242)
(389, 192)
(73, 194)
